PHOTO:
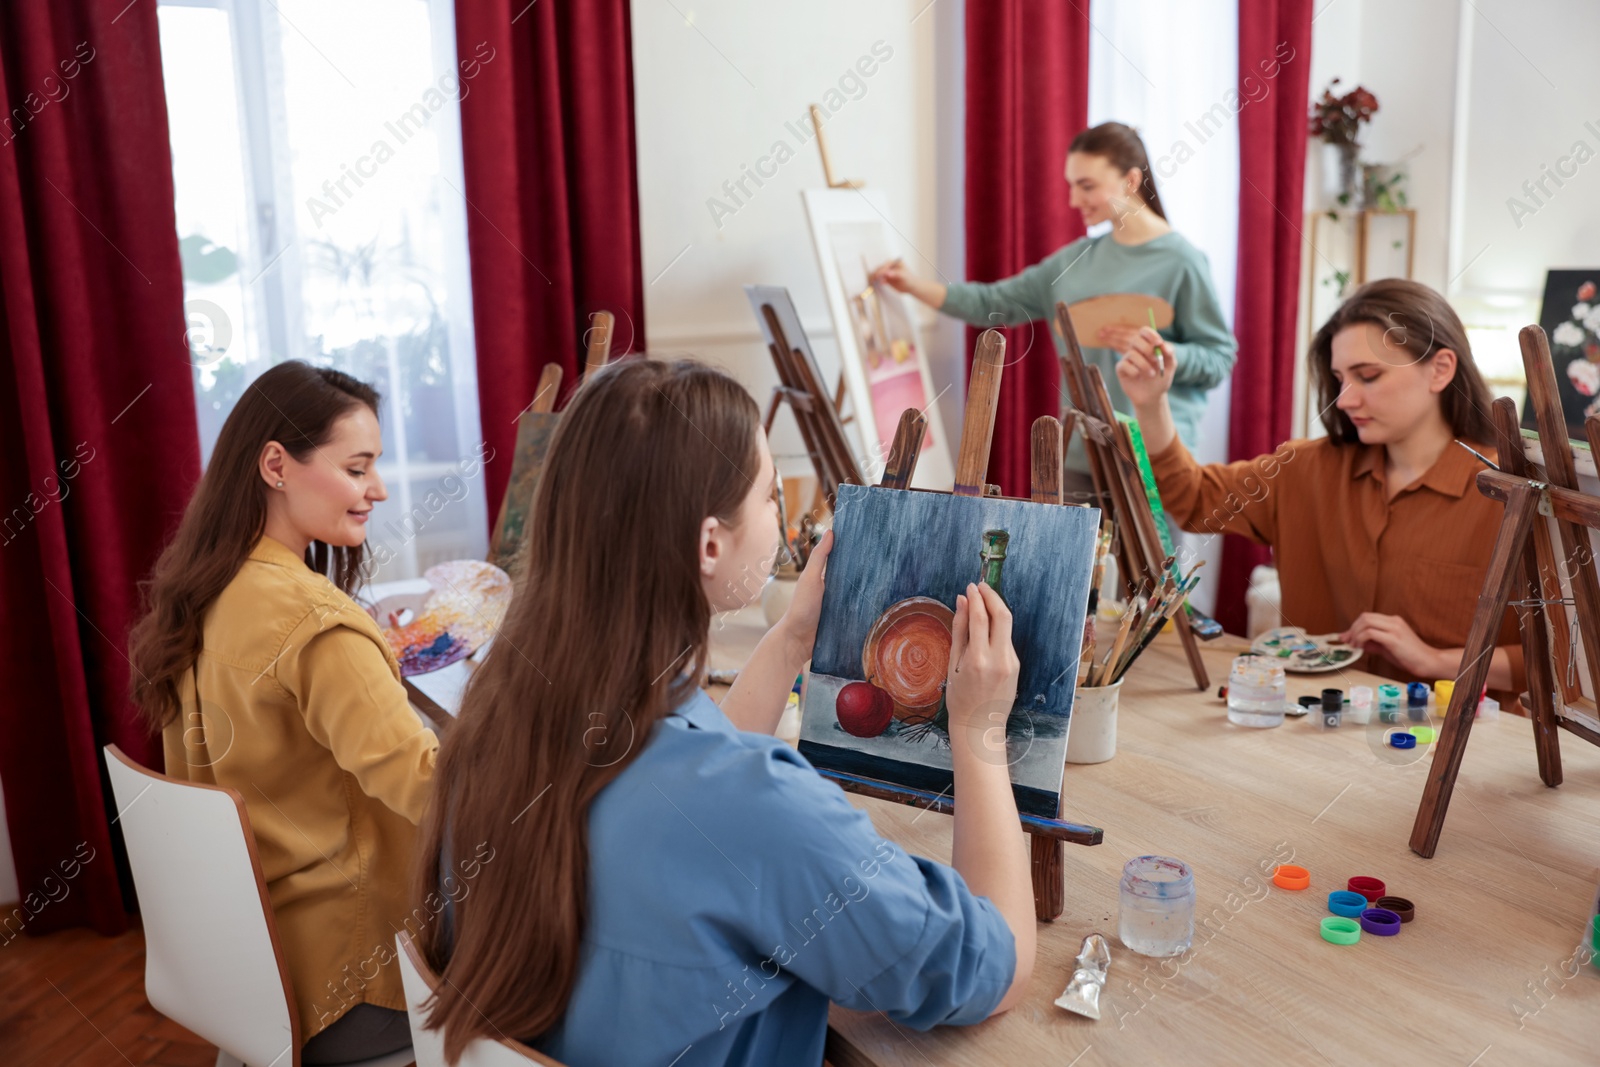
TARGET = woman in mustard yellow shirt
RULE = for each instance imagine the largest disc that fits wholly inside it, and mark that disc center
(265, 676)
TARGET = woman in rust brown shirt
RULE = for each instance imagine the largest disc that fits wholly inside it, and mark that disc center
(1378, 530)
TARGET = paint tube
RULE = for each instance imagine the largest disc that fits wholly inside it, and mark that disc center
(1082, 994)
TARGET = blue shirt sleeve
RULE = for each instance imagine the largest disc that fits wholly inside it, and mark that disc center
(861, 921)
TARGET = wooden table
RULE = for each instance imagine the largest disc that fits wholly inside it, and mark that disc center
(1500, 909)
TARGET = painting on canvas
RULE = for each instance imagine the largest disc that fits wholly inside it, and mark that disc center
(534, 431)
(881, 326)
(1570, 316)
(881, 357)
(874, 697)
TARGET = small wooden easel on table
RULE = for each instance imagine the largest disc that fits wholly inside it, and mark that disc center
(972, 462)
(1525, 561)
(1117, 481)
(533, 434)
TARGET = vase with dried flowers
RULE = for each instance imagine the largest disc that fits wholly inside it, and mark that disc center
(1337, 120)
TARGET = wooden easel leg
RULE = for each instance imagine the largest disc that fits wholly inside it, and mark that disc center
(1536, 657)
(1533, 620)
(1504, 569)
(1049, 878)
(1047, 446)
(1191, 649)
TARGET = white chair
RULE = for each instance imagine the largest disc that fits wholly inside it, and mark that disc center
(428, 1045)
(212, 959)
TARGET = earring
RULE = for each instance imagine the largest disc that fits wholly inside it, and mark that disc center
(280, 483)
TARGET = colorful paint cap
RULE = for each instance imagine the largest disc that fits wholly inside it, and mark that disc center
(1288, 876)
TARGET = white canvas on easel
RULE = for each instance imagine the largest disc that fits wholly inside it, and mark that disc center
(880, 347)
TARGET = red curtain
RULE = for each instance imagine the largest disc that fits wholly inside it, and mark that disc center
(1027, 97)
(97, 424)
(1272, 163)
(553, 205)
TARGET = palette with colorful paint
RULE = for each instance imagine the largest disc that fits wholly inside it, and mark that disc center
(464, 606)
(1304, 653)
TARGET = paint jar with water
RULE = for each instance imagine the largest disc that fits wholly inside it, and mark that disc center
(1157, 906)
(1257, 690)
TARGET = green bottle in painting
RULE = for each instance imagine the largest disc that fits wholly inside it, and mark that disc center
(994, 558)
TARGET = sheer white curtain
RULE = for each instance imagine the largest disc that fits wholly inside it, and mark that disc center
(1170, 69)
(317, 163)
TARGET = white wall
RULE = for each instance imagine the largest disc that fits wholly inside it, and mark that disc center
(714, 95)
(1530, 94)
(1477, 97)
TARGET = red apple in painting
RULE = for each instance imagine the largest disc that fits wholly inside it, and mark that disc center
(864, 710)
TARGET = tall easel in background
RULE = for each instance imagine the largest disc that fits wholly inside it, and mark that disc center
(1525, 561)
(827, 161)
(972, 462)
(1118, 481)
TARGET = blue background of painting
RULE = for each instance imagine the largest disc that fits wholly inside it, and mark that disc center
(891, 544)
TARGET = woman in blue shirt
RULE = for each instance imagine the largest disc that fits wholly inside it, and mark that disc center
(660, 880)
(1109, 178)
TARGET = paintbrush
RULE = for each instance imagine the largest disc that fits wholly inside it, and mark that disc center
(1154, 617)
(1161, 358)
(1172, 609)
(1115, 651)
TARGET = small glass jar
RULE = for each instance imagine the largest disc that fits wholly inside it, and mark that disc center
(1156, 917)
(1257, 690)
(1389, 699)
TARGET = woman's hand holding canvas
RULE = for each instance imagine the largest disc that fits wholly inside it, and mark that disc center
(800, 621)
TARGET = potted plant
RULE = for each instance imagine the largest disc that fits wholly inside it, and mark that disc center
(1337, 120)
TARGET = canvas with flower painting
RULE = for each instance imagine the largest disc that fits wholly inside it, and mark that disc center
(1571, 318)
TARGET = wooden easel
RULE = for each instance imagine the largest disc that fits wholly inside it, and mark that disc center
(1524, 561)
(800, 386)
(827, 162)
(983, 394)
(597, 354)
(1118, 482)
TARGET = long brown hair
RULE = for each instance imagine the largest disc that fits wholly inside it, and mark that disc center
(1122, 147)
(294, 404)
(1419, 321)
(606, 634)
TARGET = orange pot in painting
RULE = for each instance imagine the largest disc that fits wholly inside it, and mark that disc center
(907, 654)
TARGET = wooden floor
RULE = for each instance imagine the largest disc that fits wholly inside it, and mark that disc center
(76, 999)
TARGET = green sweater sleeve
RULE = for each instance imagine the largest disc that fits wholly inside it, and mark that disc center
(1205, 348)
(1011, 301)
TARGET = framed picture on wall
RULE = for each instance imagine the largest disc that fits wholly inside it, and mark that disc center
(1570, 316)
(880, 347)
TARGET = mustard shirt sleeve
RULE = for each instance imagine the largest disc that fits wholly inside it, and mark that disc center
(1219, 497)
(355, 707)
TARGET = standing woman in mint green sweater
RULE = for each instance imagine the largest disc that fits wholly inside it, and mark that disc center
(1108, 174)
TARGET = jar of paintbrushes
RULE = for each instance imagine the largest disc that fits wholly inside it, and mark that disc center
(1092, 729)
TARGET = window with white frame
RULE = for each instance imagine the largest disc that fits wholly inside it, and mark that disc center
(316, 154)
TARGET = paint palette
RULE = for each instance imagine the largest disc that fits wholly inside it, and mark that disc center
(1304, 653)
(463, 608)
